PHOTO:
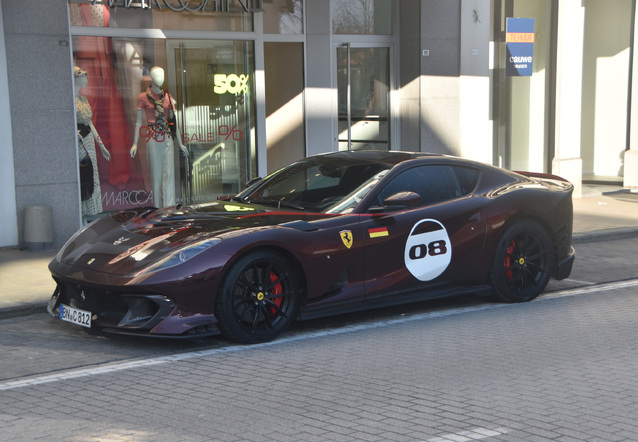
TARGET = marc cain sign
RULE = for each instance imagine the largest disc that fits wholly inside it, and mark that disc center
(183, 5)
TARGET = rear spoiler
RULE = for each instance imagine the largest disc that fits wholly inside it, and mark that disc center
(548, 176)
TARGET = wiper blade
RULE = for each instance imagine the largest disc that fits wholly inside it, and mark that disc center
(278, 203)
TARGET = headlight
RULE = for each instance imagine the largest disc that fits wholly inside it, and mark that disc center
(69, 245)
(182, 255)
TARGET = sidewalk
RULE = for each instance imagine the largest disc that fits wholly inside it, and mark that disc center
(602, 212)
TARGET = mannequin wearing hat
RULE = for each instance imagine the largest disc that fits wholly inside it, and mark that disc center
(158, 107)
(87, 137)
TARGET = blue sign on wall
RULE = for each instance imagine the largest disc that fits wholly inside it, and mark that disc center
(520, 47)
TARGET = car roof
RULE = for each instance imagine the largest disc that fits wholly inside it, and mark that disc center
(388, 157)
(391, 158)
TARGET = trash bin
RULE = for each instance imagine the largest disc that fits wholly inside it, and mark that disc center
(38, 228)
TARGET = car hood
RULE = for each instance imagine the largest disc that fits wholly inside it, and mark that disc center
(127, 242)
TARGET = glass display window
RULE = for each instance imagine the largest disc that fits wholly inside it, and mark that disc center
(361, 17)
(214, 83)
(164, 122)
(283, 17)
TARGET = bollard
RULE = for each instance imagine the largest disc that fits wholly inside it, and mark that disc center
(38, 228)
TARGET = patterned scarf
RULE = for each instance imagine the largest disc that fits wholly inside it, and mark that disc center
(159, 106)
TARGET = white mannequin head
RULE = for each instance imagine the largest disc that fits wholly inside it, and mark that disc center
(157, 77)
(80, 78)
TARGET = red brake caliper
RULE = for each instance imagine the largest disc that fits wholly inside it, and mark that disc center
(508, 261)
(276, 290)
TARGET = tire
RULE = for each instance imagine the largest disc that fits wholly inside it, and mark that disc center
(258, 299)
(522, 262)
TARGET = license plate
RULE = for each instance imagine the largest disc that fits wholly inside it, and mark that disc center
(75, 316)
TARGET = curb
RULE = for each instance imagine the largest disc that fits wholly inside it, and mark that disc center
(26, 309)
(605, 235)
(30, 308)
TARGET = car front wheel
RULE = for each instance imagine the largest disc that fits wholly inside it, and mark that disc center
(258, 299)
(522, 262)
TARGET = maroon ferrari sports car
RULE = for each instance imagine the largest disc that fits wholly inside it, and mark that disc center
(329, 234)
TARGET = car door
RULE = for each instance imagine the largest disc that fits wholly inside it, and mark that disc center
(430, 241)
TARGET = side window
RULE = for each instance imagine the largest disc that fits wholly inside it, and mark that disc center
(433, 184)
(467, 177)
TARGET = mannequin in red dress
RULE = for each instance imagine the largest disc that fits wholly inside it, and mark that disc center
(95, 54)
(159, 109)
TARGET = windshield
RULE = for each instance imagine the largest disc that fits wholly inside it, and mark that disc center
(324, 185)
(351, 201)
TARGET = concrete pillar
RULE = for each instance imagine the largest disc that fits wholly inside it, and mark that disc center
(410, 63)
(320, 96)
(567, 161)
(9, 213)
(630, 175)
(439, 81)
(475, 125)
(630, 171)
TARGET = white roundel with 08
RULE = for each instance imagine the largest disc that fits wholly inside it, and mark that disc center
(428, 251)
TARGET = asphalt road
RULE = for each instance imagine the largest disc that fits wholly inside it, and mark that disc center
(562, 367)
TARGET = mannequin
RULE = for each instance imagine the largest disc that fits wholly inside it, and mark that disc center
(160, 145)
(87, 137)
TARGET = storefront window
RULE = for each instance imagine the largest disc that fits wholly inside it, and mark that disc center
(124, 114)
(230, 15)
(214, 83)
(283, 17)
(362, 17)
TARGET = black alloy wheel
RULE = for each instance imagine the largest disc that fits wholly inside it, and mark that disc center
(258, 299)
(522, 262)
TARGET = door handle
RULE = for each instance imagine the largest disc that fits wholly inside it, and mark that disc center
(476, 218)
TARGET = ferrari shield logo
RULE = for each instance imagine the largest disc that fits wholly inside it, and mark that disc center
(346, 237)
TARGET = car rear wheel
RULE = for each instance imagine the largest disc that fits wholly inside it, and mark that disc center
(522, 262)
(258, 299)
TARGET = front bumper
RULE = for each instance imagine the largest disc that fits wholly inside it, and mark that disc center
(132, 313)
(564, 267)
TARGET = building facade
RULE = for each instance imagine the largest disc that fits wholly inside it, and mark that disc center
(178, 102)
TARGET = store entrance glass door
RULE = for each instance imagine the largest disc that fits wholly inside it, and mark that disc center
(214, 89)
(522, 106)
(363, 88)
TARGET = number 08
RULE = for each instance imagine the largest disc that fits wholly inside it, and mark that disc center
(435, 248)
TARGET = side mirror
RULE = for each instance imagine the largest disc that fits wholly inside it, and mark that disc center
(400, 200)
(403, 199)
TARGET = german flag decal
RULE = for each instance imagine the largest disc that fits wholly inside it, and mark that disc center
(378, 232)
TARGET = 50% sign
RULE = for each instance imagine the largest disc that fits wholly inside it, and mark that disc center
(232, 84)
